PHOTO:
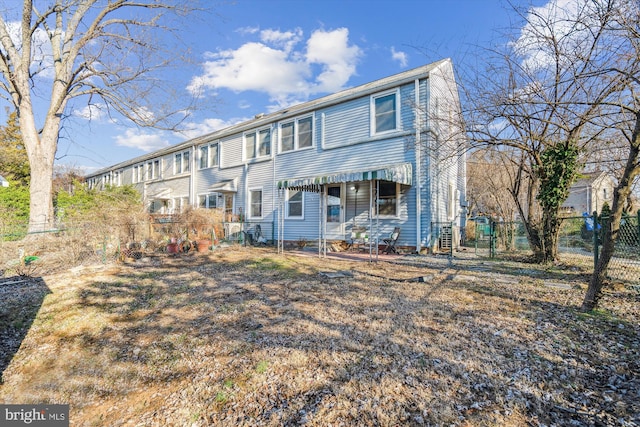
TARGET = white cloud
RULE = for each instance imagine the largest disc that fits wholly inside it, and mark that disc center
(41, 53)
(331, 50)
(278, 65)
(401, 57)
(94, 112)
(136, 138)
(565, 22)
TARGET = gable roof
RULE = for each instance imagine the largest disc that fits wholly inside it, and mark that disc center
(292, 111)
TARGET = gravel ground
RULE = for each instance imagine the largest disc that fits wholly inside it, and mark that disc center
(248, 337)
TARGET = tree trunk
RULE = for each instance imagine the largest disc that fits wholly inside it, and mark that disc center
(610, 235)
(41, 150)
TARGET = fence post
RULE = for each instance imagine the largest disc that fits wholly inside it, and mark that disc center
(595, 240)
(638, 228)
(492, 239)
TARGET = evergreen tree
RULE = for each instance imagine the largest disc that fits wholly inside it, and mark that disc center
(14, 164)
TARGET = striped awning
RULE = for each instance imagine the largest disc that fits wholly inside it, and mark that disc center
(401, 173)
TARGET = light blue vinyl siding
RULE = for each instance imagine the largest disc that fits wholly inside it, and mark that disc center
(346, 123)
(343, 142)
(230, 151)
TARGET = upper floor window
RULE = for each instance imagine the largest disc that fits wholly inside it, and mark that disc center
(208, 156)
(296, 134)
(257, 143)
(384, 117)
(138, 173)
(181, 163)
(153, 169)
(295, 203)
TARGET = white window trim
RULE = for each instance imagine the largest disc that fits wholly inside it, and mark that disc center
(182, 163)
(288, 216)
(296, 139)
(256, 133)
(217, 196)
(249, 210)
(397, 214)
(209, 164)
(372, 112)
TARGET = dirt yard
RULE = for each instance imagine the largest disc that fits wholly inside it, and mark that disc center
(247, 337)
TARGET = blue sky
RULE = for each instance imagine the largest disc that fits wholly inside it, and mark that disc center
(255, 56)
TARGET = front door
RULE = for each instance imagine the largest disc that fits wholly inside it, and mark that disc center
(335, 213)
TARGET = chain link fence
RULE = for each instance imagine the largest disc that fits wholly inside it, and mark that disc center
(579, 243)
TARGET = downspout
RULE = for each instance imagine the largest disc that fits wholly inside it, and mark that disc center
(417, 124)
(192, 177)
(274, 186)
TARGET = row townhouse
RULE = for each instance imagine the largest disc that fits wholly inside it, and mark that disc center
(378, 156)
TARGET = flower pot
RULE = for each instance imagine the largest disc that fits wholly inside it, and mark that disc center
(173, 248)
(203, 245)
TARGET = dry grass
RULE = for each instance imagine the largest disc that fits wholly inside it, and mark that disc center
(248, 337)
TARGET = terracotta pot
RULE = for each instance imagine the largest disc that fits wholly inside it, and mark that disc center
(203, 245)
(173, 248)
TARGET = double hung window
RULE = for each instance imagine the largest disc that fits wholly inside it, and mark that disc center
(384, 117)
(388, 195)
(255, 203)
(257, 143)
(295, 204)
(296, 134)
(208, 155)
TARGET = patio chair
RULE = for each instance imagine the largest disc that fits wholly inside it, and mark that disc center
(390, 242)
(359, 237)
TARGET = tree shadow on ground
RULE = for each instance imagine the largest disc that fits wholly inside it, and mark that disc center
(360, 350)
(21, 299)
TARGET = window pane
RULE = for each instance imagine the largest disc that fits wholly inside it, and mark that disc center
(387, 199)
(213, 152)
(213, 201)
(256, 203)
(287, 137)
(265, 142)
(304, 133)
(156, 169)
(204, 157)
(202, 201)
(295, 203)
(250, 145)
(186, 164)
(177, 164)
(385, 113)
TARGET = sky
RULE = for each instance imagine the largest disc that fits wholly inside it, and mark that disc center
(258, 56)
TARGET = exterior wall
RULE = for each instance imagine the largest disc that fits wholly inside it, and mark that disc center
(445, 160)
(343, 141)
(588, 195)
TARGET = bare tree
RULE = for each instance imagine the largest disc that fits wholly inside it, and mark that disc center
(491, 176)
(100, 51)
(619, 66)
(530, 97)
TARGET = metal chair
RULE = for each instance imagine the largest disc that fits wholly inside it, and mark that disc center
(390, 242)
